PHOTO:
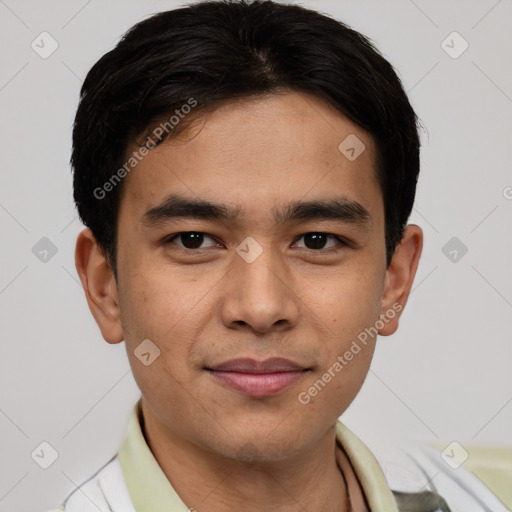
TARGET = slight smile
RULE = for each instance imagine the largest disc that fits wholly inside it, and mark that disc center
(258, 379)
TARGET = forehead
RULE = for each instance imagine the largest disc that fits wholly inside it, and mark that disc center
(256, 153)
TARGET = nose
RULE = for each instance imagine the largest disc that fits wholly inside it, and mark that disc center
(260, 295)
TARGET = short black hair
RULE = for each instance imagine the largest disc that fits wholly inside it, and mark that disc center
(216, 51)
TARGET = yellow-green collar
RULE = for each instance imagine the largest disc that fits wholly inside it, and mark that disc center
(147, 484)
(150, 490)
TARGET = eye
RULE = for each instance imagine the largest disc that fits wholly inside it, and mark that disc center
(317, 241)
(190, 240)
(314, 241)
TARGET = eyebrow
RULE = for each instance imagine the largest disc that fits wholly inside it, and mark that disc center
(341, 209)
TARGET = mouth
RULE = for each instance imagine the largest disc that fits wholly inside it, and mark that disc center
(258, 379)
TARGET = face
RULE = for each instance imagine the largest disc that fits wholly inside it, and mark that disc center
(254, 298)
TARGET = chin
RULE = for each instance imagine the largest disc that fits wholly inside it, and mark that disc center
(262, 446)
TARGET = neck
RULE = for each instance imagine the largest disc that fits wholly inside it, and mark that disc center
(204, 480)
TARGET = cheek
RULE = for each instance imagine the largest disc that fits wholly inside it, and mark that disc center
(169, 308)
(329, 394)
(154, 308)
(155, 300)
(332, 388)
(347, 302)
(345, 309)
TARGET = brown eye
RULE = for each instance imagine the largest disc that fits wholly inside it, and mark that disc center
(317, 241)
(190, 239)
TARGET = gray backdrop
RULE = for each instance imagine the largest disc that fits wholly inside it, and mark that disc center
(445, 375)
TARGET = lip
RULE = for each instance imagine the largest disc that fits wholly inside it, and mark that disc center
(258, 379)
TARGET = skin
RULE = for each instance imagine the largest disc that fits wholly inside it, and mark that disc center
(220, 448)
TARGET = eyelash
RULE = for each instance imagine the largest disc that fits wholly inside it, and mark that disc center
(343, 242)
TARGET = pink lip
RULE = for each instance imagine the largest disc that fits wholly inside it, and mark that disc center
(258, 378)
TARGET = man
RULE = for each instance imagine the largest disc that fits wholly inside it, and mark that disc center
(245, 172)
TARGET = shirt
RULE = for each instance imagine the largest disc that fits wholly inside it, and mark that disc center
(133, 481)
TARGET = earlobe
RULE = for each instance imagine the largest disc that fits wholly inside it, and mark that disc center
(400, 277)
(99, 286)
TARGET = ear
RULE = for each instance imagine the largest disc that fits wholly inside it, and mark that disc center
(399, 278)
(99, 285)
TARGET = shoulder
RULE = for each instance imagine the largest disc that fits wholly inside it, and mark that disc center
(105, 491)
(456, 477)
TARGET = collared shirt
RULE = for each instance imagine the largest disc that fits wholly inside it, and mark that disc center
(151, 490)
(133, 481)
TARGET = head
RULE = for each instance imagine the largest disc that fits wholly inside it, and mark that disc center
(245, 172)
